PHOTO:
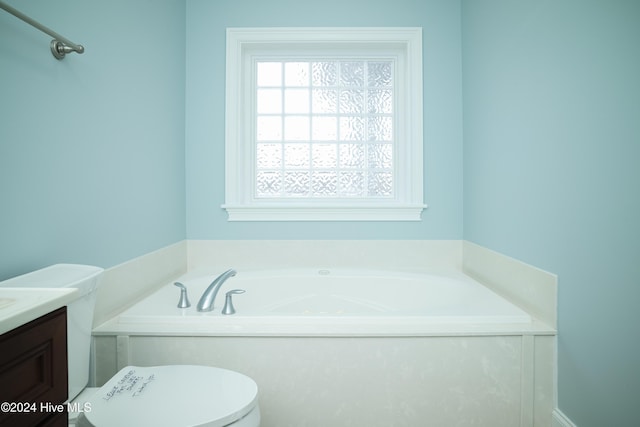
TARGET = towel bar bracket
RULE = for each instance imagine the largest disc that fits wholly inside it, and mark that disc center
(60, 46)
(59, 49)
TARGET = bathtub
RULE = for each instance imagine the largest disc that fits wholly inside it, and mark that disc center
(350, 347)
(325, 302)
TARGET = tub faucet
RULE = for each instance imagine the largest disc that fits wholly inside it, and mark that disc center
(209, 296)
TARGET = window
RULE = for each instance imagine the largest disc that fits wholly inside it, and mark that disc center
(324, 124)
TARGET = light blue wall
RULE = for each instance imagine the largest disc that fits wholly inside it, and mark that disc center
(551, 176)
(91, 147)
(206, 25)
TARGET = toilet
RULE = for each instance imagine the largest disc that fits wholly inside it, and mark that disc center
(170, 395)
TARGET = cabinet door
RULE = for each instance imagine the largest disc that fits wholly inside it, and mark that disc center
(33, 370)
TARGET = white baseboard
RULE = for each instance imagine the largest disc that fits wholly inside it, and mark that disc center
(560, 420)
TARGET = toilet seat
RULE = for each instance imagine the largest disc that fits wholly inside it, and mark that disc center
(174, 395)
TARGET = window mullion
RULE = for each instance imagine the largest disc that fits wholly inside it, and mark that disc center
(365, 119)
(282, 138)
(336, 87)
(311, 140)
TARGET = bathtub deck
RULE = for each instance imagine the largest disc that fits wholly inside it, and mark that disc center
(337, 302)
(296, 327)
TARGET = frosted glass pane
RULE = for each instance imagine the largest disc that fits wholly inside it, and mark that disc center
(380, 129)
(297, 156)
(380, 101)
(352, 73)
(296, 74)
(268, 184)
(379, 73)
(380, 156)
(269, 101)
(269, 74)
(324, 73)
(380, 184)
(296, 183)
(296, 128)
(324, 184)
(324, 101)
(352, 101)
(351, 129)
(352, 184)
(352, 156)
(296, 101)
(324, 155)
(269, 156)
(324, 128)
(269, 128)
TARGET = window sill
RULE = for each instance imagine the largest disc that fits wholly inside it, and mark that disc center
(324, 212)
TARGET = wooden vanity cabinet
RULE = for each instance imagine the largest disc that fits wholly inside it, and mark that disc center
(33, 372)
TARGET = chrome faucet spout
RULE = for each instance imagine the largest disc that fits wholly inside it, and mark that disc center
(209, 296)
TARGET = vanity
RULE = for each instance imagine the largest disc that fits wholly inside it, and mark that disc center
(33, 356)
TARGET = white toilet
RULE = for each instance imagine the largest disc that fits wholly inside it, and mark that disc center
(172, 395)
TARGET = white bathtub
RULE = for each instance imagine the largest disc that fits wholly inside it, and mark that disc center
(324, 302)
(350, 347)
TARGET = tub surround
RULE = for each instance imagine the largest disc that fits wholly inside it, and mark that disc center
(527, 286)
(126, 283)
(331, 302)
(398, 255)
(498, 381)
(499, 377)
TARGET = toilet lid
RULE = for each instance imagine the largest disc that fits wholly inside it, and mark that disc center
(175, 395)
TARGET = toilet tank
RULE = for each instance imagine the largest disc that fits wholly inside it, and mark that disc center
(85, 278)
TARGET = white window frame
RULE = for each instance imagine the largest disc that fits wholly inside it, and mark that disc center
(245, 44)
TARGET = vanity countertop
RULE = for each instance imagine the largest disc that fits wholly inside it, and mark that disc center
(22, 305)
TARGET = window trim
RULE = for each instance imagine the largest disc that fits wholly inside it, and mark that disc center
(407, 204)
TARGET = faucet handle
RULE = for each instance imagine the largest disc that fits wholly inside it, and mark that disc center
(228, 302)
(184, 300)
